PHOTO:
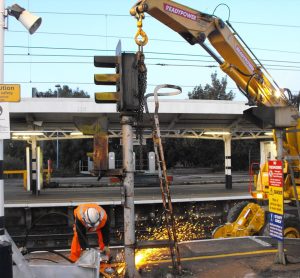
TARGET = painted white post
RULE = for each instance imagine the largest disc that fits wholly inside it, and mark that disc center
(111, 160)
(28, 168)
(151, 162)
(227, 149)
(2, 25)
(34, 186)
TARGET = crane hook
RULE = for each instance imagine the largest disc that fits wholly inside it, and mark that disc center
(141, 37)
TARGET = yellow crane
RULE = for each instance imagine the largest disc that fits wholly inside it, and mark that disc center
(274, 106)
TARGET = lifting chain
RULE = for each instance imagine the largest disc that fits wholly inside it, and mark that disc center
(142, 81)
(141, 40)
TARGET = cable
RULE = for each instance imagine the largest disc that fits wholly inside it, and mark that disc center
(182, 65)
(59, 48)
(290, 96)
(146, 52)
(92, 83)
(247, 87)
(54, 252)
(39, 219)
(59, 254)
(42, 259)
(223, 4)
(126, 15)
(271, 67)
(267, 24)
(94, 35)
(148, 58)
(85, 14)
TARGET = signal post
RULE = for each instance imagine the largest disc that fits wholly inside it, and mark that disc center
(126, 98)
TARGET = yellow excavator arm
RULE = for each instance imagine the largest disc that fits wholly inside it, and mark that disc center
(234, 60)
(237, 61)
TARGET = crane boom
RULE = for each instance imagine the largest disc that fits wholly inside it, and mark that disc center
(275, 109)
(195, 27)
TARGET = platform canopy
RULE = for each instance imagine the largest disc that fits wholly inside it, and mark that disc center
(61, 118)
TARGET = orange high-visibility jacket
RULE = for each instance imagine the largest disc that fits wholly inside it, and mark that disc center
(78, 214)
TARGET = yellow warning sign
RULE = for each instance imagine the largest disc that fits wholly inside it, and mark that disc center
(10, 92)
(276, 199)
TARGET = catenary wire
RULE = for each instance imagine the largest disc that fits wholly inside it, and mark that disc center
(146, 52)
(91, 83)
(127, 15)
(148, 58)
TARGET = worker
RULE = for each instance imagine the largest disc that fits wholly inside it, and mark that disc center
(91, 218)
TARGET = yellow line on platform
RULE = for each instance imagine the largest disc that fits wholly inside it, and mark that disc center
(217, 256)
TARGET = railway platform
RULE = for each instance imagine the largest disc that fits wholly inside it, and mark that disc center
(76, 190)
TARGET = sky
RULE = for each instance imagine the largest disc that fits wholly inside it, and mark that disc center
(72, 32)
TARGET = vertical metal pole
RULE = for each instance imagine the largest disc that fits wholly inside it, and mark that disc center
(6, 265)
(227, 151)
(57, 143)
(2, 224)
(128, 183)
(2, 24)
(57, 151)
(5, 270)
(280, 256)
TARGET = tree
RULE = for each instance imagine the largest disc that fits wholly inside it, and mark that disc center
(64, 92)
(217, 90)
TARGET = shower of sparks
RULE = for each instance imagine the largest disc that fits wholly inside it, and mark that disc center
(145, 257)
(192, 224)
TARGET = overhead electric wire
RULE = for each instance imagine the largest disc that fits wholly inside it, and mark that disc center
(59, 48)
(92, 83)
(95, 35)
(85, 14)
(127, 15)
(149, 58)
(146, 52)
(272, 67)
(266, 24)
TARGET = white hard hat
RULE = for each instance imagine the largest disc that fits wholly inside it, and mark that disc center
(91, 217)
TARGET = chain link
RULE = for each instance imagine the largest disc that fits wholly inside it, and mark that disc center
(142, 80)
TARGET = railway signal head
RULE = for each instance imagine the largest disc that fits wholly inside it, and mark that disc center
(107, 79)
(125, 79)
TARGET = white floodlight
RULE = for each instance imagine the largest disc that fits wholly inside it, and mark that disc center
(30, 21)
(28, 133)
(269, 133)
(260, 196)
(217, 132)
(76, 133)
